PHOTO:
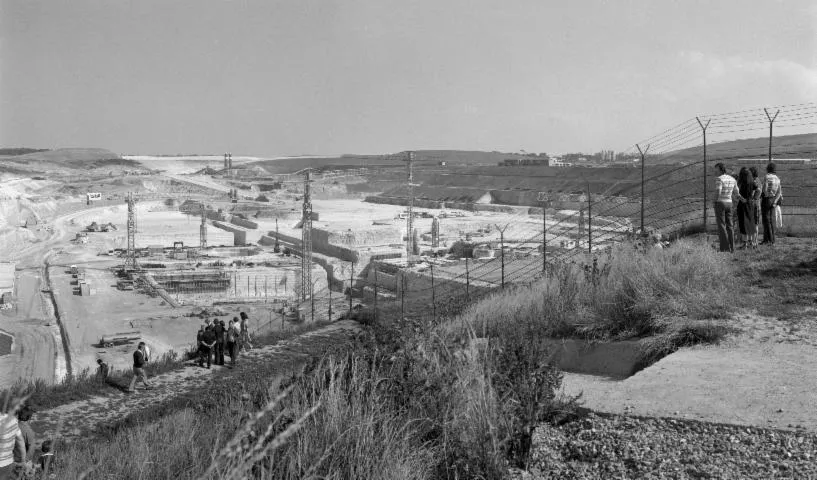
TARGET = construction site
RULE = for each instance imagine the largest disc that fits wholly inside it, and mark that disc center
(108, 250)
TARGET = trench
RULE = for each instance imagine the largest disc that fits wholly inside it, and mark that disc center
(614, 360)
(58, 317)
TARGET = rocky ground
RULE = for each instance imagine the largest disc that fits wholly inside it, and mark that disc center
(625, 447)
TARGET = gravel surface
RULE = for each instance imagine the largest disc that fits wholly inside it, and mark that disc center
(625, 447)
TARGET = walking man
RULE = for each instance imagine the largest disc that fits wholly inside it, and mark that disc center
(139, 368)
(29, 438)
(768, 201)
(726, 187)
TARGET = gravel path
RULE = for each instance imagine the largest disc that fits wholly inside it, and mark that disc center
(626, 447)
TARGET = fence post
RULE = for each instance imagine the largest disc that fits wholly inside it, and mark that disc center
(402, 297)
(433, 295)
(351, 283)
(589, 221)
(704, 127)
(467, 279)
(375, 295)
(544, 236)
(771, 123)
(502, 251)
(643, 155)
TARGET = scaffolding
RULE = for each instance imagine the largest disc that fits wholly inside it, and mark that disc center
(306, 240)
(130, 257)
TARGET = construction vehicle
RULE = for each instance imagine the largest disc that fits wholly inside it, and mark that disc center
(121, 338)
(125, 285)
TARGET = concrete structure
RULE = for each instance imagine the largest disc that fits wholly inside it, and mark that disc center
(484, 251)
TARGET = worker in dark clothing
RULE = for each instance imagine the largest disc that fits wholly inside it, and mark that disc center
(102, 370)
(218, 329)
(208, 341)
(139, 368)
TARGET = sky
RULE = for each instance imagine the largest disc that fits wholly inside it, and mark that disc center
(297, 77)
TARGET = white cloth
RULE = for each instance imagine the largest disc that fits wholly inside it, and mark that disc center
(778, 216)
(771, 185)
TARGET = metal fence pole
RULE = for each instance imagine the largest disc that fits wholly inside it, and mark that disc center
(375, 295)
(433, 295)
(704, 127)
(467, 279)
(643, 156)
(589, 221)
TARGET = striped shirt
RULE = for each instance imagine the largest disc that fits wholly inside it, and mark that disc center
(725, 185)
(10, 438)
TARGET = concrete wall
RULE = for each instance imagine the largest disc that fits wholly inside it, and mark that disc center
(243, 223)
(319, 246)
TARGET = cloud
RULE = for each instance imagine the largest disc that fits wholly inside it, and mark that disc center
(713, 70)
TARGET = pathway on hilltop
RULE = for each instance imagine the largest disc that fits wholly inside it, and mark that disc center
(82, 417)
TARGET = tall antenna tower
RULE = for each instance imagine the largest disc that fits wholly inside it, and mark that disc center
(130, 258)
(203, 228)
(306, 240)
(410, 210)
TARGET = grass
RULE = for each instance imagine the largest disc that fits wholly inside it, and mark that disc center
(455, 399)
(85, 384)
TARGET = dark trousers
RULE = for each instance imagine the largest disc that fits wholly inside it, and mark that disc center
(726, 232)
(219, 353)
(767, 212)
(232, 351)
(205, 353)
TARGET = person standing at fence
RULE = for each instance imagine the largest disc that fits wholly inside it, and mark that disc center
(770, 199)
(218, 351)
(726, 187)
(754, 206)
(232, 339)
(746, 208)
(246, 342)
(139, 361)
(208, 341)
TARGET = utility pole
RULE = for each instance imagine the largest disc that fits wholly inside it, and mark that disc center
(502, 250)
(277, 245)
(703, 129)
(306, 240)
(643, 157)
(203, 229)
(771, 124)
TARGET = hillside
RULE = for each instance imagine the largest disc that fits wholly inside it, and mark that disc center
(422, 158)
(787, 146)
(64, 160)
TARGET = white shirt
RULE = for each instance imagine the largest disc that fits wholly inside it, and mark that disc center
(725, 185)
(771, 185)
